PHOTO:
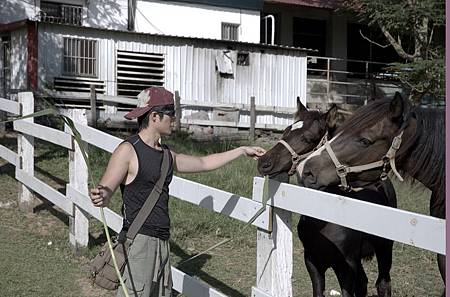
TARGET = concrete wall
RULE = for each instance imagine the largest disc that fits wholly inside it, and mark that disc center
(19, 55)
(106, 14)
(195, 20)
(17, 10)
(158, 17)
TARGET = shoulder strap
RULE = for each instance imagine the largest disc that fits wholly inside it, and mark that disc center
(151, 200)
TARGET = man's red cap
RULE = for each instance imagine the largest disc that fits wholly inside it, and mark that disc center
(149, 98)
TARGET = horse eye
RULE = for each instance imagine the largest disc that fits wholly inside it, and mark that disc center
(365, 141)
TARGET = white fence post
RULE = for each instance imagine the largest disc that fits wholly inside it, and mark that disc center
(25, 150)
(78, 179)
(273, 253)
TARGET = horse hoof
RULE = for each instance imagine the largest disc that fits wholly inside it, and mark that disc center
(384, 289)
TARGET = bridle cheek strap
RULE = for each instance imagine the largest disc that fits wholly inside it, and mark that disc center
(296, 158)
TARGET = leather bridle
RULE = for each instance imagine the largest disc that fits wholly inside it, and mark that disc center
(296, 158)
(388, 159)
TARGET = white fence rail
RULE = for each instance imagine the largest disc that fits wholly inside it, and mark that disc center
(274, 235)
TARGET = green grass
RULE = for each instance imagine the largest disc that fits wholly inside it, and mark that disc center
(31, 267)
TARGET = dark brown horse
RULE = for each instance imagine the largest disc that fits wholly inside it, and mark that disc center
(325, 244)
(386, 134)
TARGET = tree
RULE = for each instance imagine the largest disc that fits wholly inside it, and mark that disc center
(411, 28)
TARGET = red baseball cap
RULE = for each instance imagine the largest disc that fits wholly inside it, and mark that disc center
(149, 98)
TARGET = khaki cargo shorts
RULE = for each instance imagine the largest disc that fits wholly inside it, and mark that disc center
(147, 273)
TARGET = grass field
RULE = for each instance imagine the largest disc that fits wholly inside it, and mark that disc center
(36, 259)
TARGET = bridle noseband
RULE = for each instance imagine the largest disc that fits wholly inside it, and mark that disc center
(296, 158)
(388, 159)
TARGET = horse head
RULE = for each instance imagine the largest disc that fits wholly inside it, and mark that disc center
(298, 139)
(365, 146)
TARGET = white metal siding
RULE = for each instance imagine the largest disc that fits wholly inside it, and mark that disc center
(275, 77)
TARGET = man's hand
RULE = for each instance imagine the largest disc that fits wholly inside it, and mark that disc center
(253, 151)
(100, 196)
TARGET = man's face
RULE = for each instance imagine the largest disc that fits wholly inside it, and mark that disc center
(164, 119)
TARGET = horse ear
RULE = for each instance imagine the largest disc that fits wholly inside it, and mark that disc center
(300, 106)
(396, 107)
(331, 116)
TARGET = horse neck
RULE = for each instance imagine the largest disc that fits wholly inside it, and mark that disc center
(423, 156)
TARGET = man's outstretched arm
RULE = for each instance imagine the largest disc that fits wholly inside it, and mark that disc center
(187, 163)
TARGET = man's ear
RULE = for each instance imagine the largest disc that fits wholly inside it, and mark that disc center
(153, 116)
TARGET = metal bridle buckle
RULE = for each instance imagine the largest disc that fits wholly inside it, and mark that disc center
(347, 188)
(396, 142)
(384, 171)
(295, 161)
(341, 170)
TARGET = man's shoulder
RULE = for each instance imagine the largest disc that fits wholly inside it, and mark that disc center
(125, 148)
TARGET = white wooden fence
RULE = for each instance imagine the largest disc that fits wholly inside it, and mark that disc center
(274, 236)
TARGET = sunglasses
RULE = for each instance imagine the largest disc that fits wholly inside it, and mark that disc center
(170, 113)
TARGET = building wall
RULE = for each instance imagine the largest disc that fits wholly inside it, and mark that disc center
(106, 14)
(17, 10)
(158, 17)
(19, 54)
(336, 26)
(274, 77)
(195, 20)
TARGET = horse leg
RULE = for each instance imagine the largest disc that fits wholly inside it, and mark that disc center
(317, 275)
(441, 265)
(346, 278)
(361, 282)
(383, 251)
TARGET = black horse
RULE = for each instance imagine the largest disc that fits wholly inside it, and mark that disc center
(391, 133)
(325, 244)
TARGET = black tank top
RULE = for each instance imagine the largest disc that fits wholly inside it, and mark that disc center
(136, 192)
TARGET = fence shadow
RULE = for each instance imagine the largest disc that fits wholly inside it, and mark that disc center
(194, 268)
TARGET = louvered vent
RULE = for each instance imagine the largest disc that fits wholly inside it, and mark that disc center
(137, 71)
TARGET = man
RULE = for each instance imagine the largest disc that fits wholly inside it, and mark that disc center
(135, 165)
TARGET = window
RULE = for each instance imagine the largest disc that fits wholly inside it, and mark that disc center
(137, 71)
(312, 34)
(243, 59)
(230, 31)
(309, 33)
(61, 13)
(80, 57)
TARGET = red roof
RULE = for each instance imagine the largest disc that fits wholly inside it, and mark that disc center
(330, 4)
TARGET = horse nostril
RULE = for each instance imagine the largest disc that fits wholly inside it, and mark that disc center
(267, 164)
(309, 176)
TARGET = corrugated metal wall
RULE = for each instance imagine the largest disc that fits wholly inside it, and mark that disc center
(275, 76)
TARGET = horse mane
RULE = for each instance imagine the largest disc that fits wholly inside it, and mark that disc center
(426, 150)
(423, 155)
(365, 117)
